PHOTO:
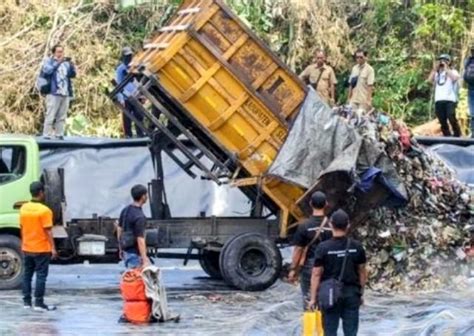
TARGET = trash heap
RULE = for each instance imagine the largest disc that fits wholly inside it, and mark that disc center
(421, 245)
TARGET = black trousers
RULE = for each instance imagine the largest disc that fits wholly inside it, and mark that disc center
(347, 310)
(305, 283)
(35, 263)
(446, 111)
(127, 122)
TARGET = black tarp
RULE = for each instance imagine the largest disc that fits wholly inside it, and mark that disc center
(321, 144)
(100, 172)
(459, 159)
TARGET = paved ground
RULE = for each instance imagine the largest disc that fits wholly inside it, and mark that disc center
(89, 304)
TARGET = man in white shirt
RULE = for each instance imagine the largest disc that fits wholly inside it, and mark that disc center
(445, 80)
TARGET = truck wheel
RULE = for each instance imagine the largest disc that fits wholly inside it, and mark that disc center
(53, 190)
(209, 261)
(11, 262)
(250, 262)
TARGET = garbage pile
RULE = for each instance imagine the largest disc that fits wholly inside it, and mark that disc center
(422, 245)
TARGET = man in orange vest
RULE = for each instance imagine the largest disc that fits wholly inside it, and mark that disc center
(36, 221)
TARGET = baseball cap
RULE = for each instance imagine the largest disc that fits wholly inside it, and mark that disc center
(340, 219)
(127, 51)
(36, 187)
(444, 57)
(318, 200)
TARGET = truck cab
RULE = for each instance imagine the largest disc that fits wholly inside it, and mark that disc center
(19, 166)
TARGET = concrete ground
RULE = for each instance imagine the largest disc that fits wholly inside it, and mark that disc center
(89, 303)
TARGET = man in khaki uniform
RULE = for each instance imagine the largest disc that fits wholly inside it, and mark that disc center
(321, 77)
(361, 83)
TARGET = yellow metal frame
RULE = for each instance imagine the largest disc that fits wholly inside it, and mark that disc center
(230, 83)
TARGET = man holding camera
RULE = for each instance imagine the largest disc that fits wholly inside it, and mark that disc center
(58, 70)
(444, 79)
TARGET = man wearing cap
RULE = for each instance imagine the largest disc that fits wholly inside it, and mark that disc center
(328, 263)
(321, 77)
(36, 222)
(469, 80)
(120, 74)
(444, 79)
(307, 237)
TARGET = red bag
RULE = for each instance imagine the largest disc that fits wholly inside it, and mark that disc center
(137, 311)
(132, 286)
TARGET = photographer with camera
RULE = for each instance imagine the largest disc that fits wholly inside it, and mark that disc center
(57, 72)
(445, 79)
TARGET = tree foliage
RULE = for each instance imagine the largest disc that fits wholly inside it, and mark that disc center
(403, 38)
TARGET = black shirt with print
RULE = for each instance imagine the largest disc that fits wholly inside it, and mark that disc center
(305, 233)
(330, 256)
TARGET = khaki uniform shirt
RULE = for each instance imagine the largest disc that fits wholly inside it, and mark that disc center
(365, 78)
(328, 78)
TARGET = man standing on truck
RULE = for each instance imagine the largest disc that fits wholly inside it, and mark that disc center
(361, 82)
(58, 71)
(339, 262)
(36, 222)
(307, 237)
(131, 230)
(321, 77)
(120, 74)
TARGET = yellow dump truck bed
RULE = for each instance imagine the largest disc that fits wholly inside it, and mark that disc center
(232, 86)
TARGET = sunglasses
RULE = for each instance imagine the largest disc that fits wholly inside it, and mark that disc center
(359, 57)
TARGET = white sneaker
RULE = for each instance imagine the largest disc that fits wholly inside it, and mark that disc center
(43, 307)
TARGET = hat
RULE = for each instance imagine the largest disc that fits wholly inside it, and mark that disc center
(36, 188)
(444, 57)
(318, 200)
(127, 51)
(340, 219)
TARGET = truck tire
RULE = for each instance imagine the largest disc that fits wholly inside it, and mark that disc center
(209, 261)
(11, 262)
(53, 190)
(250, 262)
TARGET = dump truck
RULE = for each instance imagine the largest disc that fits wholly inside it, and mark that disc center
(218, 102)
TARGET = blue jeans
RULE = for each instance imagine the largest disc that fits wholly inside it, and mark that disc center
(35, 263)
(470, 100)
(131, 260)
(347, 310)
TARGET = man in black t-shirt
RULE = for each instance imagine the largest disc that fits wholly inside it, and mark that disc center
(328, 262)
(132, 219)
(305, 236)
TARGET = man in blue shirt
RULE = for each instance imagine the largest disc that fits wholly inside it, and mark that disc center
(469, 79)
(120, 73)
(58, 70)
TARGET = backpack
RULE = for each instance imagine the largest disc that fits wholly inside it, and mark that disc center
(43, 83)
(469, 71)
